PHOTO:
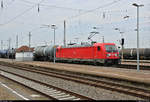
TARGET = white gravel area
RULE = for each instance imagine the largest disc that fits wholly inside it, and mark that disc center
(86, 90)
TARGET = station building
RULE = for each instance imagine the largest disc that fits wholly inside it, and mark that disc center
(24, 53)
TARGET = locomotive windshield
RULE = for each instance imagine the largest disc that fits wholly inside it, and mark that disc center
(111, 48)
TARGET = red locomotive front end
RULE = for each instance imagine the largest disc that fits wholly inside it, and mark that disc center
(105, 53)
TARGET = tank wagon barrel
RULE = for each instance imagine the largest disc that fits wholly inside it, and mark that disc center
(131, 53)
(43, 53)
(38, 51)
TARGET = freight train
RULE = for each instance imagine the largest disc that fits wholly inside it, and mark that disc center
(7, 53)
(131, 53)
(97, 53)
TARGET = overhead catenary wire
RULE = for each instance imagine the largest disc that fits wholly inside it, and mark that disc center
(67, 8)
(2, 4)
(85, 11)
(54, 6)
(77, 16)
(7, 4)
(62, 7)
(21, 14)
(103, 6)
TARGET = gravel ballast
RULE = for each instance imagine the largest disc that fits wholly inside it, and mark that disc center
(86, 90)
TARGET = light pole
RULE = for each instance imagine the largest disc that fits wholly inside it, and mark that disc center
(138, 60)
(54, 27)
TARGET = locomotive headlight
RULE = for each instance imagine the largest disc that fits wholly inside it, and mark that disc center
(108, 55)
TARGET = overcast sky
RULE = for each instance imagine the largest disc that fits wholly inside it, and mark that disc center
(19, 17)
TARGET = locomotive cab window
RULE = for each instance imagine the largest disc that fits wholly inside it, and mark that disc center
(111, 48)
(98, 48)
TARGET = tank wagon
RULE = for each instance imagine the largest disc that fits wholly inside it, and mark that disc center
(43, 53)
(131, 53)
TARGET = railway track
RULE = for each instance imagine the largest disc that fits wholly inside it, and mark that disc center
(130, 66)
(130, 90)
(135, 61)
(50, 91)
(126, 66)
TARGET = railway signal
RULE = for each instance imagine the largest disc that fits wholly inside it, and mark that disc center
(122, 41)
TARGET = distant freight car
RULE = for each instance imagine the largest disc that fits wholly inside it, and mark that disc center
(131, 53)
(7, 53)
(105, 53)
(3, 53)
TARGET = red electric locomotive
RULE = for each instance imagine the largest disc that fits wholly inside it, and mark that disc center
(105, 53)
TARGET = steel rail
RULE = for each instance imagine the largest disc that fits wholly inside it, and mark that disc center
(134, 91)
